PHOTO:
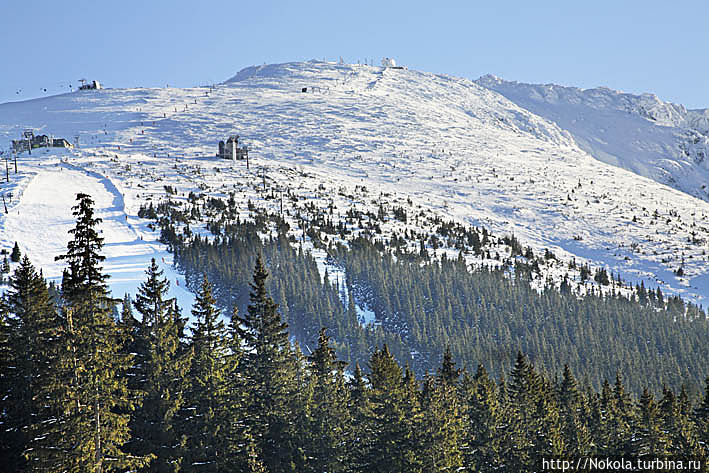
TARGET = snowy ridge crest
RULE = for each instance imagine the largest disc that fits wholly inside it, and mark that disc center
(641, 133)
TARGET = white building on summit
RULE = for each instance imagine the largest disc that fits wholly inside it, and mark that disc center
(388, 62)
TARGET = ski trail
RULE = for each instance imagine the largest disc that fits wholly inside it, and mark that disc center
(41, 221)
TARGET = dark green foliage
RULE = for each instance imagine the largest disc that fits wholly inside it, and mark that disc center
(241, 398)
(395, 415)
(204, 419)
(423, 305)
(159, 372)
(483, 316)
(86, 387)
(487, 429)
(269, 371)
(330, 422)
(28, 343)
(15, 255)
(82, 392)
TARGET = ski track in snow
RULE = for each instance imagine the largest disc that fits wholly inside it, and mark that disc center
(40, 223)
(451, 146)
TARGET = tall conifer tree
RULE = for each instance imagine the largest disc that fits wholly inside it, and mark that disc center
(270, 374)
(330, 423)
(87, 384)
(205, 421)
(28, 342)
(159, 373)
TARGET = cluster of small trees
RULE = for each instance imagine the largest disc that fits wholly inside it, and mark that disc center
(84, 391)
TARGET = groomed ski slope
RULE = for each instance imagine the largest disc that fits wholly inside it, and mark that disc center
(448, 145)
(43, 217)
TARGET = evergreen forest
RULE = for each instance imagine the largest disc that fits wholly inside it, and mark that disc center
(272, 372)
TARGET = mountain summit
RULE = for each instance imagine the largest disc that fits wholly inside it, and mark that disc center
(604, 177)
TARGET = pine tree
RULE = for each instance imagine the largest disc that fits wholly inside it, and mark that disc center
(448, 373)
(524, 391)
(241, 441)
(441, 429)
(621, 417)
(648, 439)
(681, 432)
(204, 420)
(269, 372)
(159, 373)
(87, 385)
(28, 343)
(574, 414)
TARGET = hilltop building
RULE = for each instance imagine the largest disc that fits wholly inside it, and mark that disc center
(390, 62)
(91, 85)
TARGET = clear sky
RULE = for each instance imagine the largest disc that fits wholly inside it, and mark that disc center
(636, 46)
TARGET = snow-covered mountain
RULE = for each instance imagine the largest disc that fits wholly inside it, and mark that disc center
(346, 136)
(641, 133)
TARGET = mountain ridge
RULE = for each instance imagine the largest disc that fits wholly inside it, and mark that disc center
(447, 144)
(660, 140)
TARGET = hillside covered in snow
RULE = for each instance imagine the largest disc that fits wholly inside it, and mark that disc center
(640, 133)
(593, 176)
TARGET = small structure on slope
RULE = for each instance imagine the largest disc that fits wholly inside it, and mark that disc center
(231, 149)
(29, 141)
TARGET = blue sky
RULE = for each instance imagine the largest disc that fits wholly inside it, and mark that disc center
(636, 46)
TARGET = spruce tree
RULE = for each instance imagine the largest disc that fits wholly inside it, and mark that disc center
(441, 427)
(16, 254)
(87, 385)
(28, 344)
(621, 418)
(448, 373)
(676, 423)
(701, 419)
(329, 428)
(574, 416)
(486, 440)
(204, 420)
(524, 391)
(268, 367)
(159, 373)
(391, 442)
(360, 409)
(649, 438)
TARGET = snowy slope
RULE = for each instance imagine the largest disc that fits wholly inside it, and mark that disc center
(42, 218)
(362, 135)
(641, 133)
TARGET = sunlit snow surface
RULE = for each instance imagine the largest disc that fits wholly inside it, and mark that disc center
(41, 221)
(451, 146)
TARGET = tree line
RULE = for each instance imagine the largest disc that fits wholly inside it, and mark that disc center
(424, 304)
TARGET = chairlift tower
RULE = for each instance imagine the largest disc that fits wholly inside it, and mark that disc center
(29, 135)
